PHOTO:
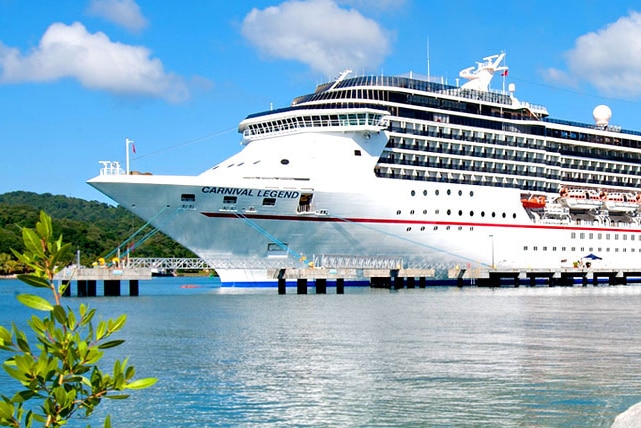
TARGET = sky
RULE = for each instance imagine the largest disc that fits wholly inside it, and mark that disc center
(79, 77)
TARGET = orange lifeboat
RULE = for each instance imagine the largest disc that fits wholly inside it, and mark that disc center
(534, 202)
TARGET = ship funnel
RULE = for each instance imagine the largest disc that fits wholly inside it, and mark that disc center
(602, 115)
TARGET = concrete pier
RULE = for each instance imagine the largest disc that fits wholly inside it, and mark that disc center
(87, 279)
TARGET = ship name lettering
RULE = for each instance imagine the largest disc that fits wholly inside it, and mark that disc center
(264, 193)
(228, 191)
(284, 194)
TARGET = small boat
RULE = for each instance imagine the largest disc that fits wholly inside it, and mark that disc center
(581, 199)
(534, 202)
(621, 202)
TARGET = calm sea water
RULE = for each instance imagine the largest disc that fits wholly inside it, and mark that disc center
(543, 357)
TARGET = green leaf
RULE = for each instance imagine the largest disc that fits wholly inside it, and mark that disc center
(32, 242)
(34, 280)
(117, 397)
(5, 336)
(141, 383)
(60, 314)
(117, 324)
(34, 302)
(6, 410)
(111, 344)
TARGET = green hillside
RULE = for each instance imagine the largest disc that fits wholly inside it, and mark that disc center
(93, 227)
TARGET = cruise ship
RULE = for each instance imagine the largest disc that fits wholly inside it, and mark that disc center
(403, 172)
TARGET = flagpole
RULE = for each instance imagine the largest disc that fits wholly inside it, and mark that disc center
(127, 142)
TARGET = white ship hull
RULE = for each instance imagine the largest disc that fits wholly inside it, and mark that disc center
(361, 187)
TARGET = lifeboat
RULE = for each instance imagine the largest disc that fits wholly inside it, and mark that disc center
(620, 202)
(534, 202)
(580, 199)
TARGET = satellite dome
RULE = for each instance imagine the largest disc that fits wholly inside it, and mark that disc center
(602, 115)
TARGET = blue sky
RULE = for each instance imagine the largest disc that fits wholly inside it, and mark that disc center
(78, 77)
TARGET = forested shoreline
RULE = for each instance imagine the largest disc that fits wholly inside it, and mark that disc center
(94, 228)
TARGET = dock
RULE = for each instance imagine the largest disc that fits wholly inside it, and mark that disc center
(395, 279)
(87, 280)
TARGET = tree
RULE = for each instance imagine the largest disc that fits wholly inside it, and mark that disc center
(61, 371)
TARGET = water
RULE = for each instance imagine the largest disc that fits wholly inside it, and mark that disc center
(544, 357)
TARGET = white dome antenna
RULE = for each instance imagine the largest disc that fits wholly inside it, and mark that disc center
(602, 115)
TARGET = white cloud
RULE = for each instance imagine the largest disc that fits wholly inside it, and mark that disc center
(95, 61)
(125, 13)
(318, 33)
(610, 58)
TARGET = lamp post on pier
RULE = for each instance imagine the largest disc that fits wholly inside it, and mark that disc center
(492, 238)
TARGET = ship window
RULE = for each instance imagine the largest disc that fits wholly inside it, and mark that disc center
(284, 161)
(229, 200)
(422, 228)
(460, 192)
(274, 249)
(408, 229)
(269, 202)
(436, 192)
(412, 193)
(424, 192)
(357, 152)
(188, 197)
(449, 212)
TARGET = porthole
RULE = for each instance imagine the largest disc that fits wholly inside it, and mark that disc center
(471, 213)
(422, 228)
(449, 192)
(514, 215)
(284, 161)
(437, 192)
(436, 228)
(493, 214)
(398, 212)
(447, 228)
(449, 212)
(503, 215)
(424, 211)
(460, 228)
(471, 193)
(424, 192)
(412, 212)
(413, 193)
(460, 193)
(460, 212)
(482, 213)
(408, 229)
(437, 211)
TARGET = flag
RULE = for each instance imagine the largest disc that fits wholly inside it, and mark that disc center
(504, 74)
(133, 147)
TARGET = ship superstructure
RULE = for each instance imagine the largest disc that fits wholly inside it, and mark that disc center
(402, 170)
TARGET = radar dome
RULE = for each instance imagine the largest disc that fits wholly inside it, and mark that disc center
(602, 115)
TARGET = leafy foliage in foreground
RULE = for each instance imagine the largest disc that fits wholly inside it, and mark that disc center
(61, 370)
